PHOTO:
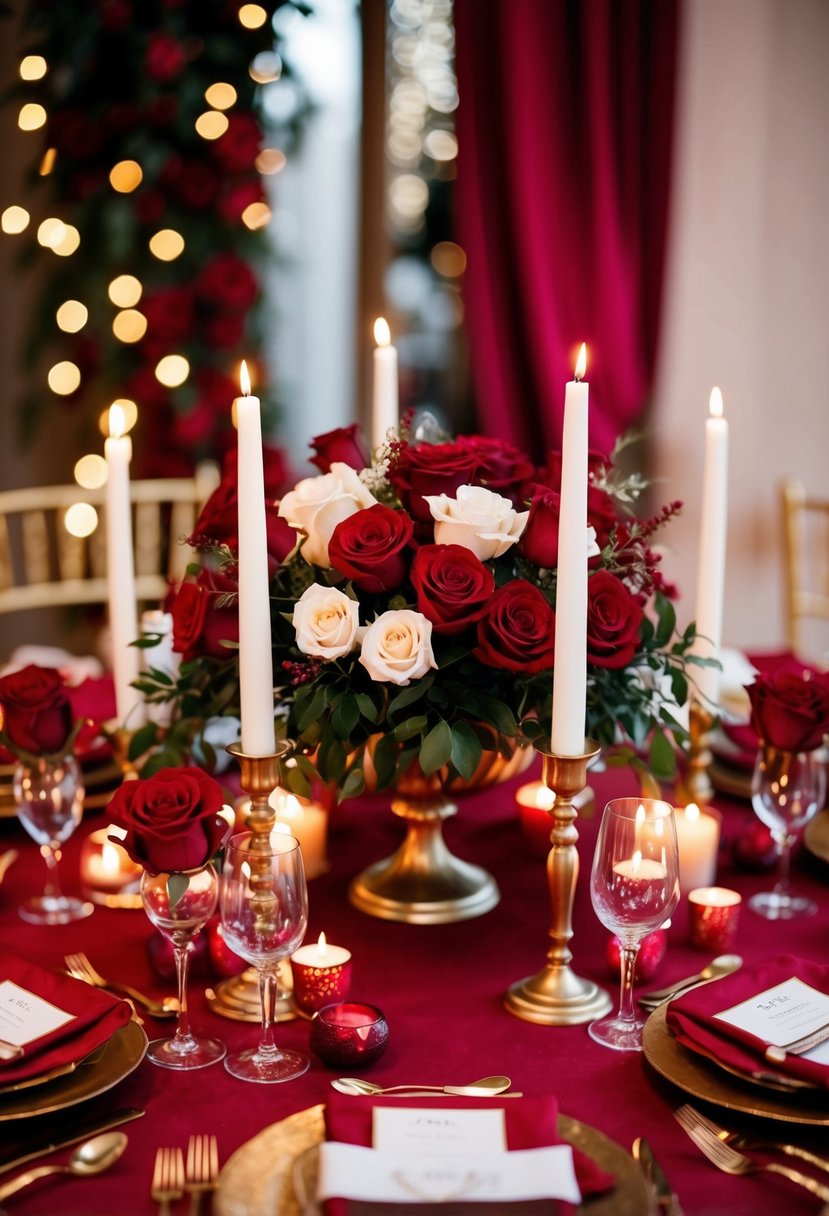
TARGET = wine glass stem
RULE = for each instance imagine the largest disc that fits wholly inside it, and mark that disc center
(182, 946)
(784, 854)
(268, 989)
(627, 959)
(51, 855)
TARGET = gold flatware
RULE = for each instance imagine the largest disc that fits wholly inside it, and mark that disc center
(90, 1158)
(8, 858)
(722, 965)
(82, 1131)
(201, 1173)
(730, 1161)
(79, 966)
(486, 1087)
(663, 1193)
(754, 1143)
(168, 1179)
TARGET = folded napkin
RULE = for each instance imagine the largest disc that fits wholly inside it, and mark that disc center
(96, 1015)
(531, 1122)
(693, 1022)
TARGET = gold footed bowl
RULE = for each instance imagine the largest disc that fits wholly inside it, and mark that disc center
(423, 883)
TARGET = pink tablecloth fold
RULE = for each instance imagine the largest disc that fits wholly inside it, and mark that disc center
(531, 1122)
(97, 1015)
(692, 1021)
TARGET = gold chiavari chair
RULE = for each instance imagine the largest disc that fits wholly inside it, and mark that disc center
(806, 580)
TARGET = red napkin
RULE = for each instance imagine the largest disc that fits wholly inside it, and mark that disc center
(691, 1018)
(530, 1123)
(97, 1016)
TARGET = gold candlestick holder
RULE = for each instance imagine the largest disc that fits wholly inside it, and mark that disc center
(695, 783)
(237, 998)
(556, 996)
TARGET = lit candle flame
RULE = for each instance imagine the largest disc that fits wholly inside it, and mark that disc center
(110, 859)
(382, 333)
(322, 944)
(244, 379)
(117, 421)
(715, 405)
(581, 362)
(691, 812)
(636, 862)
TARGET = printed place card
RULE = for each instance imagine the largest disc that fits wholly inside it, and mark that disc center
(405, 1130)
(784, 1015)
(25, 1017)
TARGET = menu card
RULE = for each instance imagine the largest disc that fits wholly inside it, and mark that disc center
(25, 1017)
(791, 1015)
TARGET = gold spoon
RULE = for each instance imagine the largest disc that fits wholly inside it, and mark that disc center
(486, 1087)
(722, 965)
(92, 1157)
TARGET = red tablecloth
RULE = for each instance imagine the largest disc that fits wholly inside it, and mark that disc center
(441, 990)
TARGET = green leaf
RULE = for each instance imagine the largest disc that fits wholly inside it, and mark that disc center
(410, 728)
(385, 758)
(353, 785)
(142, 740)
(436, 749)
(313, 710)
(666, 620)
(367, 707)
(466, 749)
(679, 685)
(177, 884)
(345, 717)
(661, 756)
(410, 694)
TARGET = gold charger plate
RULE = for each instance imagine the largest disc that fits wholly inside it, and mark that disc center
(121, 1055)
(258, 1178)
(816, 835)
(704, 1079)
(730, 779)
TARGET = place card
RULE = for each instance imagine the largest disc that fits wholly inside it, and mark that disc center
(25, 1017)
(405, 1130)
(790, 1015)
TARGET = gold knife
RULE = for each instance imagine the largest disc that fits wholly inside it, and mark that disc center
(90, 1127)
(664, 1194)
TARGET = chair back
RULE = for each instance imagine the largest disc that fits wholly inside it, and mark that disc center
(806, 579)
(42, 565)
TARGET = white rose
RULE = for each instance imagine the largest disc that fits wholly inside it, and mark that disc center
(593, 549)
(317, 504)
(397, 647)
(326, 622)
(480, 520)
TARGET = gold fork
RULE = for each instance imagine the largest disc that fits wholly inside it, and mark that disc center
(168, 1179)
(752, 1144)
(79, 966)
(731, 1162)
(202, 1169)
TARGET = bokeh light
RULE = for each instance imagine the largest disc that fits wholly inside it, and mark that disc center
(91, 471)
(51, 232)
(14, 219)
(69, 241)
(271, 160)
(166, 244)
(32, 67)
(72, 316)
(172, 370)
(256, 215)
(129, 325)
(32, 116)
(220, 96)
(129, 415)
(81, 519)
(448, 259)
(47, 164)
(125, 291)
(211, 124)
(64, 378)
(126, 176)
(266, 67)
(441, 145)
(252, 16)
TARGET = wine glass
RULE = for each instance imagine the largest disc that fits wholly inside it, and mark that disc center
(634, 886)
(787, 788)
(179, 905)
(49, 795)
(264, 906)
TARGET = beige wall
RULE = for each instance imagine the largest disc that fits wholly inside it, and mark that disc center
(748, 288)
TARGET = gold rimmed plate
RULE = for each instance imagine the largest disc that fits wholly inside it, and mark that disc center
(120, 1056)
(277, 1168)
(61, 1071)
(816, 835)
(703, 1078)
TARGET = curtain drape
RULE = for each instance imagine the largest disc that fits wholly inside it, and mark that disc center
(565, 129)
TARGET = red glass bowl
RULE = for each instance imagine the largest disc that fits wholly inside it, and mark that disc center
(349, 1035)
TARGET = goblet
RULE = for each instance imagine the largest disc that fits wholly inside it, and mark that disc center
(634, 886)
(264, 907)
(180, 904)
(49, 796)
(787, 788)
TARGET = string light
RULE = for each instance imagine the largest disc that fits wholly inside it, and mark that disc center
(211, 124)
(64, 378)
(51, 232)
(125, 291)
(14, 219)
(448, 259)
(271, 160)
(91, 471)
(80, 520)
(256, 215)
(129, 415)
(129, 326)
(126, 176)
(220, 96)
(69, 241)
(172, 370)
(32, 67)
(48, 162)
(32, 116)
(252, 16)
(167, 244)
(72, 316)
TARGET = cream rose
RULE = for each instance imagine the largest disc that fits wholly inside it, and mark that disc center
(397, 647)
(317, 504)
(480, 520)
(326, 622)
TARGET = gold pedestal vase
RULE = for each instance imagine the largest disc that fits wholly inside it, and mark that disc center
(695, 783)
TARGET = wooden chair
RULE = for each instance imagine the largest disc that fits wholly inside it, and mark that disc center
(42, 565)
(806, 537)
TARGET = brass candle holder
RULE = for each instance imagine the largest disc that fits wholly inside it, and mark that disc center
(237, 998)
(556, 996)
(695, 784)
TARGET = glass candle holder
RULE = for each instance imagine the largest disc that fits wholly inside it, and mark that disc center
(713, 916)
(349, 1035)
(322, 976)
(109, 876)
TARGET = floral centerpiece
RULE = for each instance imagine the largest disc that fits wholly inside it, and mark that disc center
(413, 614)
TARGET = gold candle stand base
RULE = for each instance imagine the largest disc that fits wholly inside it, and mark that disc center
(556, 996)
(695, 783)
(237, 998)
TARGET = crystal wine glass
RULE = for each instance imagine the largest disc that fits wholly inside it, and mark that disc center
(787, 788)
(264, 906)
(49, 795)
(179, 905)
(634, 886)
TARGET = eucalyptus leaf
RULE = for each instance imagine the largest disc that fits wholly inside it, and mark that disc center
(437, 748)
(177, 884)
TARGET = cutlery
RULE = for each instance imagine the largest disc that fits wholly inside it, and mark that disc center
(90, 1158)
(730, 1161)
(722, 965)
(663, 1192)
(168, 1179)
(82, 1131)
(486, 1087)
(79, 966)
(201, 1173)
(751, 1143)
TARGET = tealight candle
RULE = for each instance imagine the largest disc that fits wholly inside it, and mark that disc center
(109, 875)
(349, 1035)
(698, 842)
(714, 913)
(322, 975)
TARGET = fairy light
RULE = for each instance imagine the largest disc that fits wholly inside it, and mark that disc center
(126, 176)
(47, 164)
(271, 160)
(32, 116)
(166, 245)
(80, 520)
(14, 220)
(128, 414)
(125, 291)
(448, 259)
(129, 326)
(252, 16)
(51, 232)
(69, 241)
(72, 316)
(64, 378)
(172, 370)
(32, 67)
(211, 124)
(91, 471)
(220, 96)
(265, 68)
(256, 215)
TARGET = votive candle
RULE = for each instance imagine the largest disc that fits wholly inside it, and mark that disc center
(698, 842)
(714, 914)
(322, 975)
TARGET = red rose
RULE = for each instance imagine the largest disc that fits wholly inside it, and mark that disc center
(539, 540)
(239, 196)
(164, 59)
(238, 148)
(194, 183)
(161, 111)
(601, 509)
(37, 714)
(501, 467)
(368, 548)
(145, 388)
(453, 586)
(613, 621)
(150, 205)
(343, 445)
(517, 631)
(116, 15)
(171, 819)
(218, 523)
(169, 313)
(122, 116)
(225, 331)
(430, 468)
(790, 711)
(200, 625)
(74, 136)
(227, 282)
(193, 428)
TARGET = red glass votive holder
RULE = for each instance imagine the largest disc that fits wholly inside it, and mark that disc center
(349, 1035)
(322, 976)
(713, 916)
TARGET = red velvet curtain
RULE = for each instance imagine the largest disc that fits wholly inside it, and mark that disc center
(565, 129)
